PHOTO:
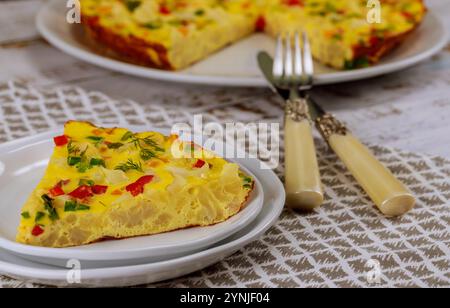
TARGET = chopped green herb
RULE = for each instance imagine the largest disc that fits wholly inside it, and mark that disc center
(154, 25)
(86, 182)
(130, 165)
(97, 162)
(73, 206)
(115, 145)
(127, 136)
(357, 63)
(39, 216)
(82, 207)
(51, 211)
(26, 215)
(96, 140)
(132, 5)
(70, 206)
(72, 149)
(83, 167)
(200, 12)
(147, 146)
(147, 154)
(175, 22)
(72, 160)
(248, 186)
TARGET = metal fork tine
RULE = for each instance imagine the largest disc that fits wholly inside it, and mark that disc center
(298, 65)
(289, 61)
(278, 61)
(308, 59)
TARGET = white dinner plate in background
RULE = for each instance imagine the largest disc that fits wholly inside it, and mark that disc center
(237, 65)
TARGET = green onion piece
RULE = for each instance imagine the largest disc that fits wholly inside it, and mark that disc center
(70, 206)
(51, 211)
(132, 5)
(39, 216)
(82, 207)
(86, 182)
(127, 136)
(95, 138)
(73, 206)
(115, 145)
(97, 162)
(200, 12)
(153, 26)
(72, 161)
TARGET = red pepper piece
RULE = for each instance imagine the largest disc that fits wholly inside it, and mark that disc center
(82, 192)
(63, 183)
(37, 230)
(260, 24)
(56, 191)
(61, 140)
(137, 187)
(164, 10)
(99, 189)
(199, 164)
(374, 41)
(294, 2)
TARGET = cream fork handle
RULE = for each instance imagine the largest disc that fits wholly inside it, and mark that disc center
(385, 190)
(302, 177)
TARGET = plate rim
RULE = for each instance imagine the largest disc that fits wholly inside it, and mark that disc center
(86, 255)
(180, 77)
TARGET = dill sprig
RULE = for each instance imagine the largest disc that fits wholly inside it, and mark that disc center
(72, 149)
(147, 146)
(130, 165)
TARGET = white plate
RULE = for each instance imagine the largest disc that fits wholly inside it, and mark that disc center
(274, 198)
(24, 164)
(237, 64)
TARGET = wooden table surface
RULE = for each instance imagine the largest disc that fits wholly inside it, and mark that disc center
(408, 110)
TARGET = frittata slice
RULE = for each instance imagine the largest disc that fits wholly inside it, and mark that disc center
(166, 34)
(111, 184)
(341, 35)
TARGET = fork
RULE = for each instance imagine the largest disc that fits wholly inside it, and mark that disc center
(293, 71)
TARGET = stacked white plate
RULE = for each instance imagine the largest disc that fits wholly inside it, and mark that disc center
(127, 262)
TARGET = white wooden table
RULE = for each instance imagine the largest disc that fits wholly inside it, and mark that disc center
(408, 110)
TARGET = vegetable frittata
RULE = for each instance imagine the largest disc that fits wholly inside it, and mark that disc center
(111, 183)
(173, 34)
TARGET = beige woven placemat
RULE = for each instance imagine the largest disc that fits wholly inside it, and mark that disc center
(339, 245)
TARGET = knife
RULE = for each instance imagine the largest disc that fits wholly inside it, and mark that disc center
(390, 195)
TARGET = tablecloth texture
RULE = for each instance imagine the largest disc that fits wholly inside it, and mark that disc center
(328, 248)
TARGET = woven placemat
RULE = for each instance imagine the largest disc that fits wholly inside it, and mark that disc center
(343, 244)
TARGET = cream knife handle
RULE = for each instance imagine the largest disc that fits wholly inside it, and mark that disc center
(303, 184)
(385, 190)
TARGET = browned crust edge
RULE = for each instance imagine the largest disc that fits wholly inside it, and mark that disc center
(127, 48)
(104, 239)
(375, 53)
